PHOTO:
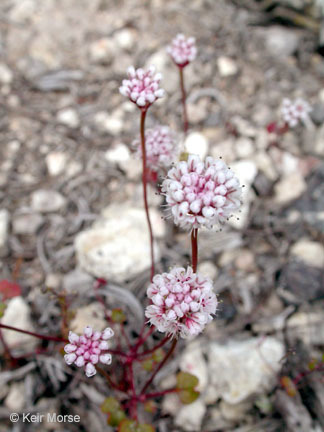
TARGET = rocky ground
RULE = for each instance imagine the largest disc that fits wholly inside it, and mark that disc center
(71, 206)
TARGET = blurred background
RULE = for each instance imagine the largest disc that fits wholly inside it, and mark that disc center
(71, 199)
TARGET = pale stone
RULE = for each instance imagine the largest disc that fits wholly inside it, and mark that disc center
(69, 117)
(4, 232)
(15, 400)
(102, 51)
(235, 412)
(119, 154)
(306, 326)
(118, 247)
(245, 260)
(17, 314)
(241, 369)
(6, 75)
(190, 417)
(310, 252)
(208, 268)
(111, 123)
(46, 201)
(92, 315)
(23, 10)
(244, 147)
(27, 223)
(56, 163)
(265, 164)
(196, 143)
(246, 171)
(192, 361)
(280, 41)
(226, 66)
(289, 188)
(125, 39)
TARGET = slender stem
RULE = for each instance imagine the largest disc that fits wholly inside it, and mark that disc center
(194, 248)
(133, 405)
(160, 366)
(150, 351)
(37, 335)
(144, 181)
(183, 100)
(142, 339)
(161, 393)
(107, 376)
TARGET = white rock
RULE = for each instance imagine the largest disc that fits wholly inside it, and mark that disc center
(280, 41)
(312, 253)
(6, 75)
(192, 361)
(226, 66)
(117, 247)
(23, 10)
(77, 281)
(241, 369)
(190, 416)
(119, 154)
(69, 117)
(289, 188)
(17, 314)
(111, 123)
(56, 163)
(265, 164)
(92, 315)
(196, 143)
(27, 223)
(245, 171)
(125, 39)
(235, 412)
(4, 231)
(102, 51)
(171, 404)
(244, 147)
(245, 260)
(208, 268)
(306, 326)
(15, 400)
(46, 200)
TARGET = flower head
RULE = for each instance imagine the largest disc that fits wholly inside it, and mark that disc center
(295, 112)
(183, 302)
(182, 50)
(142, 87)
(160, 147)
(201, 193)
(86, 350)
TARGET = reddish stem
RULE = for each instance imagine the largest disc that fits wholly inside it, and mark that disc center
(183, 100)
(133, 404)
(142, 339)
(161, 393)
(160, 366)
(194, 248)
(109, 380)
(37, 335)
(150, 351)
(144, 181)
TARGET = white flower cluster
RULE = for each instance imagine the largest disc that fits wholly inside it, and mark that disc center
(294, 112)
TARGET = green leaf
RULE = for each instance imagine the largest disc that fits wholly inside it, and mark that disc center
(312, 364)
(118, 316)
(115, 418)
(148, 364)
(188, 396)
(150, 406)
(110, 405)
(158, 355)
(2, 309)
(127, 426)
(186, 381)
(145, 428)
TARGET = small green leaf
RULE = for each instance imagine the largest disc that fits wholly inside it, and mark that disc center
(150, 406)
(158, 355)
(110, 405)
(288, 385)
(127, 426)
(115, 418)
(312, 364)
(186, 381)
(188, 396)
(148, 364)
(2, 309)
(118, 316)
(145, 428)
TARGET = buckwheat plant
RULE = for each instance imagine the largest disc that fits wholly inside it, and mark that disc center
(183, 51)
(199, 194)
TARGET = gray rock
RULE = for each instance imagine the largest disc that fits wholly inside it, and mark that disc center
(4, 231)
(280, 41)
(306, 325)
(77, 281)
(46, 201)
(27, 223)
(317, 113)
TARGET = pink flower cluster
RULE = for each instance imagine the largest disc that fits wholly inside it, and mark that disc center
(295, 112)
(183, 302)
(142, 87)
(201, 193)
(86, 350)
(182, 50)
(161, 149)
